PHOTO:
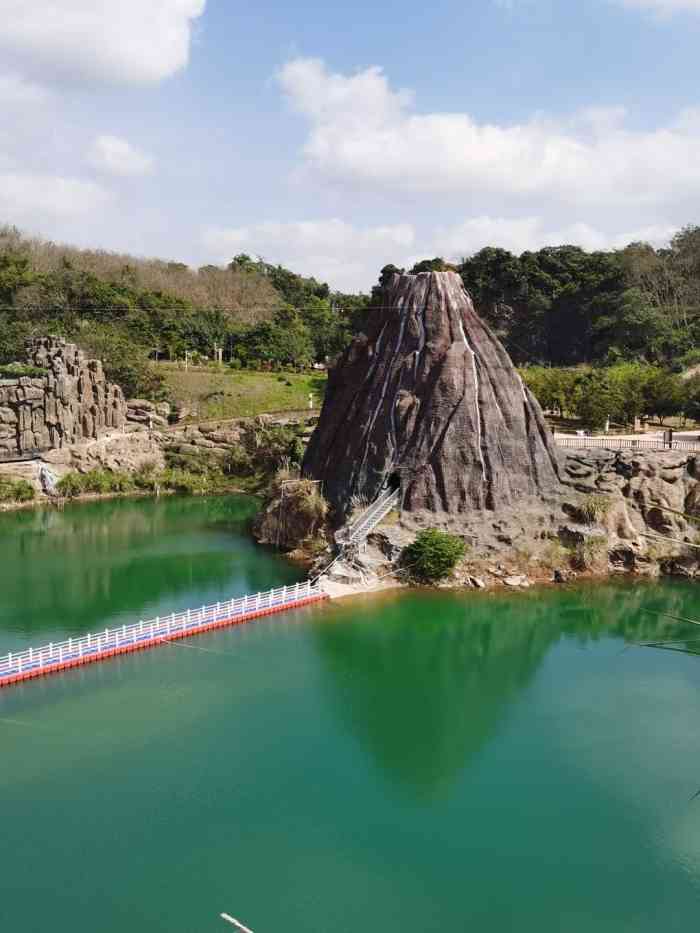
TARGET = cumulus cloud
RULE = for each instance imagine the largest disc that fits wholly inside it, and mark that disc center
(117, 156)
(350, 257)
(525, 233)
(30, 198)
(128, 41)
(362, 132)
(345, 255)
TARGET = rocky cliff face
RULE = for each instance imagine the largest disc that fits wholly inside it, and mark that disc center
(72, 402)
(647, 505)
(429, 400)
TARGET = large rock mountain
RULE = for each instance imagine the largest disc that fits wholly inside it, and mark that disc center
(430, 401)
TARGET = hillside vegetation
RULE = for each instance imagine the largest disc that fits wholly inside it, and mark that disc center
(129, 311)
(599, 334)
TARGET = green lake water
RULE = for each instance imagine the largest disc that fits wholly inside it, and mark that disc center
(409, 761)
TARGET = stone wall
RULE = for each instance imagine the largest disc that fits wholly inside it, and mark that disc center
(72, 402)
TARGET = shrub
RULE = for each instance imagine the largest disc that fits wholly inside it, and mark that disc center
(269, 446)
(181, 481)
(591, 554)
(433, 555)
(15, 490)
(554, 555)
(71, 485)
(594, 509)
(97, 481)
(239, 462)
(146, 477)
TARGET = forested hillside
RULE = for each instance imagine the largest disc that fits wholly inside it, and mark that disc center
(129, 311)
(633, 312)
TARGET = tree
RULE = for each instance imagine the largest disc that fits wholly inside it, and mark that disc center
(283, 342)
(124, 363)
(601, 398)
(664, 395)
(433, 555)
(433, 265)
(691, 398)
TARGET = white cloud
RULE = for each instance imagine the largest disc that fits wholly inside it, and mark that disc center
(344, 255)
(350, 257)
(664, 6)
(525, 233)
(28, 198)
(364, 133)
(16, 90)
(123, 41)
(117, 156)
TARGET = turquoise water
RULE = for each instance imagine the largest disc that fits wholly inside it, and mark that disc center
(422, 761)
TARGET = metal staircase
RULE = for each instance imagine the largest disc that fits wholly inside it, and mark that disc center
(372, 516)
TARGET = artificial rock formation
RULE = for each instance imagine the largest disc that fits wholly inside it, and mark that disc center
(430, 401)
(72, 402)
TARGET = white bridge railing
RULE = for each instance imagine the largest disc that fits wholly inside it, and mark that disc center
(160, 628)
(625, 443)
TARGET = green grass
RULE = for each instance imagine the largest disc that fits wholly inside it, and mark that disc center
(212, 394)
(15, 490)
(16, 370)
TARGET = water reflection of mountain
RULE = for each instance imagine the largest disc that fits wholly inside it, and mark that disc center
(425, 680)
(71, 568)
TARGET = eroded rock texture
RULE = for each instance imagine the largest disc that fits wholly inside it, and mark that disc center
(73, 402)
(429, 399)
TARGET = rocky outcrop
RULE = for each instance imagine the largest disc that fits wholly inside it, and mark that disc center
(615, 512)
(645, 506)
(72, 402)
(150, 414)
(428, 400)
(293, 516)
(119, 452)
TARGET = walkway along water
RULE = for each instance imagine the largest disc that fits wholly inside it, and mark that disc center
(50, 659)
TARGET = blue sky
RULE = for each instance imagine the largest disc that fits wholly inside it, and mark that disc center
(336, 139)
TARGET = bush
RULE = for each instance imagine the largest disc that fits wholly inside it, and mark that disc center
(71, 485)
(96, 481)
(15, 490)
(433, 555)
(594, 509)
(239, 462)
(269, 446)
(591, 554)
(181, 481)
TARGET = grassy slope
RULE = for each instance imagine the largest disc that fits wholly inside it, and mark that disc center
(212, 394)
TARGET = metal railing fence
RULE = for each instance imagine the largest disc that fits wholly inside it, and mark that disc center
(373, 515)
(612, 443)
(160, 628)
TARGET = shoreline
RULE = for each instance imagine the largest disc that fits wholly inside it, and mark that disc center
(59, 502)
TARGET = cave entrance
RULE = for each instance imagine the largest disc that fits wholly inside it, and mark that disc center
(394, 482)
